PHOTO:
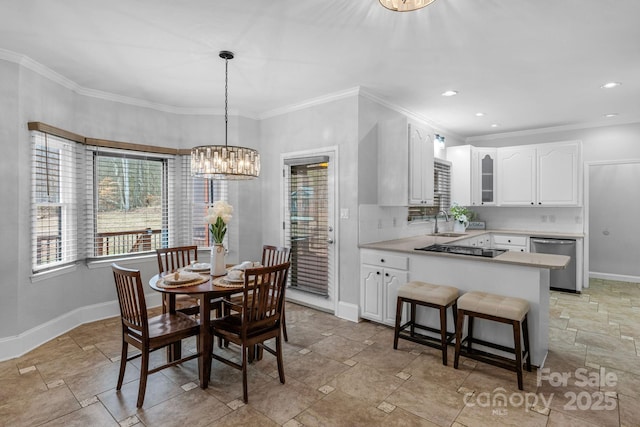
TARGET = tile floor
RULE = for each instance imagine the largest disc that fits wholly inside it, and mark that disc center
(340, 373)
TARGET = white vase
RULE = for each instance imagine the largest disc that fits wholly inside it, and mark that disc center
(459, 227)
(218, 267)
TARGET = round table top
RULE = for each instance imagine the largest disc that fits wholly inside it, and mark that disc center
(213, 286)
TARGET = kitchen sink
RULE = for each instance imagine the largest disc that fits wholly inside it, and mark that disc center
(463, 250)
(447, 234)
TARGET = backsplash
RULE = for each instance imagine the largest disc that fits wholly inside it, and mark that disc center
(378, 223)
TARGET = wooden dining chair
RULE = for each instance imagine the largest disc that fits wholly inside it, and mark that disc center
(171, 259)
(145, 333)
(274, 255)
(256, 320)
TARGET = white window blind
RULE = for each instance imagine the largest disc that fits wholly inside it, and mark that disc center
(204, 192)
(56, 176)
(132, 209)
(441, 193)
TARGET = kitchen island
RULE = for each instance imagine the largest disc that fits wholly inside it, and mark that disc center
(387, 265)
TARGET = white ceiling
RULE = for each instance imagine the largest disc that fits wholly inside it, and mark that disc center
(526, 64)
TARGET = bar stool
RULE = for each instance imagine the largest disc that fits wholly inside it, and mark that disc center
(497, 308)
(428, 295)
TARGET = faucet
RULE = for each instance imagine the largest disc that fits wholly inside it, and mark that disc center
(446, 218)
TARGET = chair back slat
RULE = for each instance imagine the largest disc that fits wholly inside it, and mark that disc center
(263, 296)
(275, 255)
(133, 307)
(171, 259)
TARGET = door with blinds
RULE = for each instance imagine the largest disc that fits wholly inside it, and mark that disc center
(308, 224)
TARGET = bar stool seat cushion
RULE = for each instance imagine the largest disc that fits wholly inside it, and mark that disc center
(427, 292)
(494, 305)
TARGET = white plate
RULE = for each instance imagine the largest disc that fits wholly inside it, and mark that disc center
(227, 279)
(199, 266)
(183, 277)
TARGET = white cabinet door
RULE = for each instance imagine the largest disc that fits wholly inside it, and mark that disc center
(393, 162)
(420, 166)
(516, 176)
(392, 280)
(558, 174)
(460, 157)
(371, 298)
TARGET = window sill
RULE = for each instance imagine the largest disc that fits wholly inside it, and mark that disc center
(45, 275)
(129, 260)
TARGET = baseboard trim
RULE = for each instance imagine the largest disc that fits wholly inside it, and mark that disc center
(616, 277)
(18, 345)
(348, 311)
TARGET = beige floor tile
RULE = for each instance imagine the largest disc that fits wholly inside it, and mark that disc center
(629, 411)
(195, 408)
(244, 416)
(337, 347)
(382, 357)
(481, 413)
(341, 410)
(314, 369)
(281, 402)
(92, 382)
(560, 419)
(367, 384)
(622, 361)
(605, 342)
(38, 408)
(94, 415)
(428, 400)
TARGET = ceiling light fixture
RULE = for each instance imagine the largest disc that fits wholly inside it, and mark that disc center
(610, 85)
(450, 93)
(405, 5)
(224, 161)
(495, 125)
(479, 114)
(609, 115)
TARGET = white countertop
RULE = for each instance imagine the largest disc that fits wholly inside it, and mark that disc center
(528, 259)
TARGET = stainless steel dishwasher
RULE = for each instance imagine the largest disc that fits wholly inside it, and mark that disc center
(561, 280)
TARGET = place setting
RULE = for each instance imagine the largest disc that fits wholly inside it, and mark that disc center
(181, 278)
(235, 275)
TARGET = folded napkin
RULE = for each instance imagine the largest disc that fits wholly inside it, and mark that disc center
(244, 265)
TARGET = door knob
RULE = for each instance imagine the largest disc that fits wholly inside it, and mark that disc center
(330, 241)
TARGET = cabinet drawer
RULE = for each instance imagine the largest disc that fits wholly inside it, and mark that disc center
(509, 240)
(386, 260)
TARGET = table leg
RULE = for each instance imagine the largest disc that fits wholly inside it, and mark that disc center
(174, 351)
(206, 341)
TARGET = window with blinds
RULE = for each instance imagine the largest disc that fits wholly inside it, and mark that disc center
(205, 193)
(441, 193)
(131, 209)
(307, 223)
(56, 174)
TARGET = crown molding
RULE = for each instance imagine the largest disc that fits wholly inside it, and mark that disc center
(310, 103)
(554, 129)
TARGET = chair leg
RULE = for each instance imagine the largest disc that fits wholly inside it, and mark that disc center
(123, 363)
(396, 334)
(413, 318)
(469, 333)
(525, 334)
(443, 334)
(459, 324)
(284, 326)
(279, 359)
(518, 350)
(144, 372)
(245, 350)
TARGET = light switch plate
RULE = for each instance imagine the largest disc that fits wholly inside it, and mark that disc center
(344, 213)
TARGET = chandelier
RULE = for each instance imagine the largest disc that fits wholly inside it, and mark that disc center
(224, 161)
(405, 5)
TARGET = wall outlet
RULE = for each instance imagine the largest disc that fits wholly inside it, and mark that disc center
(552, 218)
(344, 213)
(543, 218)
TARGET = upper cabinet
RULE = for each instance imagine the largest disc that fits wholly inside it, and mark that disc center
(473, 175)
(405, 164)
(543, 174)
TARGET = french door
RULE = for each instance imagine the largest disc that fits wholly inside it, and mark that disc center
(308, 196)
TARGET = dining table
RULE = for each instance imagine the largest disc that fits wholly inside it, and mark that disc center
(207, 289)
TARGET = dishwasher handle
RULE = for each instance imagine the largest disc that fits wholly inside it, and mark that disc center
(553, 241)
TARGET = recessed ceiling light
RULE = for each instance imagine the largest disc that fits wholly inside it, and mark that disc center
(495, 125)
(610, 85)
(479, 114)
(450, 93)
(608, 115)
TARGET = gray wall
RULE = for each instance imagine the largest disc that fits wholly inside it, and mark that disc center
(28, 96)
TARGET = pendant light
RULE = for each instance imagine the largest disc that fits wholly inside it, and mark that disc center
(225, 161)
(405, 5)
